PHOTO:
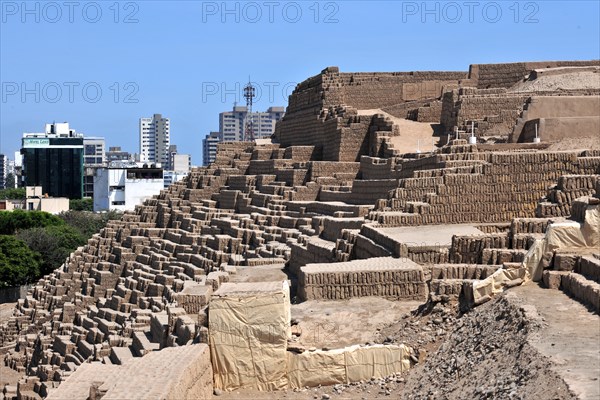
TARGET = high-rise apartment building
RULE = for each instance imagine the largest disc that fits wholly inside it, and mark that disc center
(232, 124)
(232, 128)
(209, 147)
(115, 154)
(3, 170)
(155, 139)
(93, 151)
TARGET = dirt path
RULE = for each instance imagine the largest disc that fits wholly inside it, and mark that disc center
(571, 338)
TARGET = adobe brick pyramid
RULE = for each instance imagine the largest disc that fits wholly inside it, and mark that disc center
(334, 200)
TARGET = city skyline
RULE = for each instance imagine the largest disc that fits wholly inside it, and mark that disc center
(201, 75)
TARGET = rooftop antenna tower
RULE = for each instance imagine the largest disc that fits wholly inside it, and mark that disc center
(249, 95)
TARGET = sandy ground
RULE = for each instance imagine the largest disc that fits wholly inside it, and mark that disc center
(566, 81)
(429, 235)
(576, 144)
(413, 134)
(336, 324)
(261, 273)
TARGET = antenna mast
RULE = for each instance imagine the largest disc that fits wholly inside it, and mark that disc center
(249, 94)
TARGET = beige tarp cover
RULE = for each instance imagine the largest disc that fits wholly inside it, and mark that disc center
(573, 235)
(569, 235)
(248, 331)
(350, 364)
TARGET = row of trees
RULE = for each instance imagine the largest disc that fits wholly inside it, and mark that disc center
(34, 243)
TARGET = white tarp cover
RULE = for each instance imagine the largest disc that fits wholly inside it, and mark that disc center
(249, 326)
(567, 235)
(350, 364)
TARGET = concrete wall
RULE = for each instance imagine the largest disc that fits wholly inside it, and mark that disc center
(52, 205)
(12, 294)
(133, 192)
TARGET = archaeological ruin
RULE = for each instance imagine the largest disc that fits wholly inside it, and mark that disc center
(393, 229)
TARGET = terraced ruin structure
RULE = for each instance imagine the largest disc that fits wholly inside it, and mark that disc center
(413, 235)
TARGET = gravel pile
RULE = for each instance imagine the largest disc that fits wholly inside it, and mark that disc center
(487, 355)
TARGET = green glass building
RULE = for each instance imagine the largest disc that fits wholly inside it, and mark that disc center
(54, 163)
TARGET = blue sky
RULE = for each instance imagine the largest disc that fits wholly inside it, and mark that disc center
(185, 59)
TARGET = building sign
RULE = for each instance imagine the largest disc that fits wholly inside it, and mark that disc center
(35, 142)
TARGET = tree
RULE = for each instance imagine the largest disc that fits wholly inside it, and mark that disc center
(12, 194)
(88, 223)
(81, 204)
(11, 221)
(19, 265)
(9, 182)
(53, 243)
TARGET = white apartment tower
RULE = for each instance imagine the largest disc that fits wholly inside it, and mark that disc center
(155, 139)
(232, 124)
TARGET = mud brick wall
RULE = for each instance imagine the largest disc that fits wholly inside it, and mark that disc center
(407, 109)
(501, 256)
(461, 271)
(561, 197)
(369, 191)
(376, 168)
(308, 119)
(506, 75)
(332, 227)
(376, 90)
(331, 169)
(301, 153)
(350, 142)
(589, 266)
(315, 250)
(494, 111)
(337, 139)
(508, 185)
(428, 254)
(291, 176)
(431, 112)
(469, 249)
(385, 277)
(529, 225)
(583, 289)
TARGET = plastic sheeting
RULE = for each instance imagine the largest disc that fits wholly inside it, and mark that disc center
(495, 283)
(573, 235)
(248, 332)
(350, 364)
(565, 235)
